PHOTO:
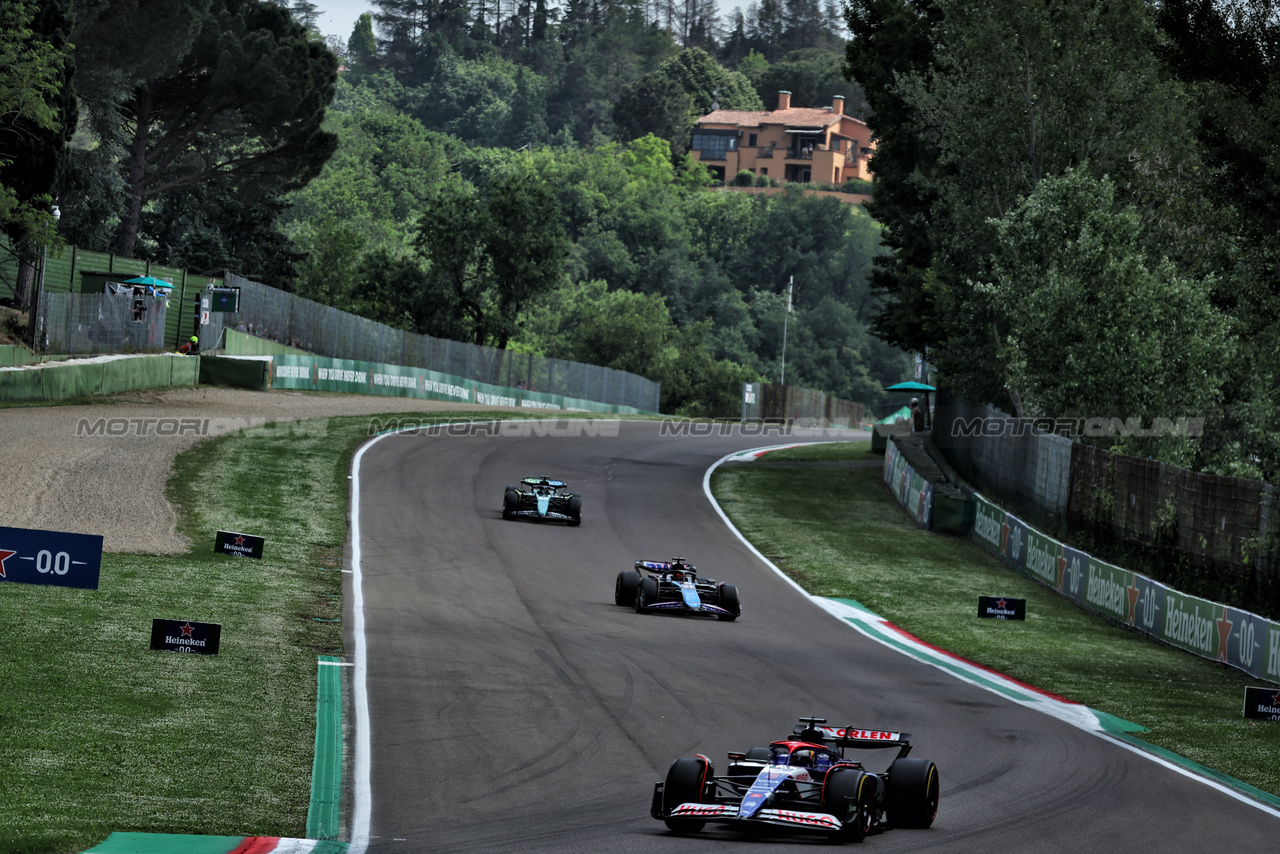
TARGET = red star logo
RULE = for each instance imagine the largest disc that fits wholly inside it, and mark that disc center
(239, 540)
(1132, 590)
(1224, 632)
(5, 554)
(1004, 535)
(187, 630)
(1000, 603)
(1275, 699)
(1062, 567)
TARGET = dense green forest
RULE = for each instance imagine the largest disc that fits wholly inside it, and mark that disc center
(512, 174)
(1074, 214)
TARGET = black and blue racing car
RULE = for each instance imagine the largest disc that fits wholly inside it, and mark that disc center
(542, 498)
(675, 585)
(803, 783)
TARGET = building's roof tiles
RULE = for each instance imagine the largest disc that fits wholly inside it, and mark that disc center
(793, 117)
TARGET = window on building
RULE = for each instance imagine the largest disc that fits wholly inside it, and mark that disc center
(751, 140)
(713, 145)
(764, 170)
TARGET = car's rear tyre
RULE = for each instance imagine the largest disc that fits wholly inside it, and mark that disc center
(646, 593)
(729, 601)
(685, 783)
(510, 502)
(624, 589)
(575, 509)
(911, 793)
(849, 795)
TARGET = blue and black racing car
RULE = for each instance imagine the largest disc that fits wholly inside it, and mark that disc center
(675, 585)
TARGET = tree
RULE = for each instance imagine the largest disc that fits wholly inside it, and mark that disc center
(37, 118)
(238, 98)
(997, 96)
(668, 100)
(362, 45)
(1089, 326)
(493, 248)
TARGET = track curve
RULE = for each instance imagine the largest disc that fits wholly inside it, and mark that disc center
(513, 707)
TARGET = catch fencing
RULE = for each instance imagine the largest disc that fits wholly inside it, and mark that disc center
(1210, 535)
(306, 325)
(803, 407)
(86, 324)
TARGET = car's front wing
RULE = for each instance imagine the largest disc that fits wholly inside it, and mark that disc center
(679, 605)
(550, 514)
(728, 814)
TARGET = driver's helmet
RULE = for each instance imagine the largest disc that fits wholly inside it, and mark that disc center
(803, 758)
(821, 761)
(677, 575)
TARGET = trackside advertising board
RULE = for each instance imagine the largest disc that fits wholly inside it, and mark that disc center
(30, 556)
(914, 493)
(1218, 632)
(318, 373)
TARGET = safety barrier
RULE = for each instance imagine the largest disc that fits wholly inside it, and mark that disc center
(100, 375)
(1240, 639)
(319, 373)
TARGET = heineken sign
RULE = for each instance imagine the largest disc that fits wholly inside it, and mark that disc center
(29, 556)
(186, 636)
(241, 545)
(1262, 703)
(1002, 608)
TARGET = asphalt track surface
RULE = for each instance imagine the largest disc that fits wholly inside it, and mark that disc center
(514, 708)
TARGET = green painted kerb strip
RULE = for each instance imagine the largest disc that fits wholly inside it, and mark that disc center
(326, 771)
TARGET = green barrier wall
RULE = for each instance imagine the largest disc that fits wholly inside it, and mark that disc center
(86, 378)
(240, 373)
(16, 354)
(243, 344)
(320, 373)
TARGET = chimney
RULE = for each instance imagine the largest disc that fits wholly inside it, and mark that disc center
(837, 105)
(784, 100)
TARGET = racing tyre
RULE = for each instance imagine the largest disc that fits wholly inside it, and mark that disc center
(685, 782)
(849, 796)
(646, 593)
(575, 510)
(624, 590)
(729, 601)
(911, 796)
(510, 502)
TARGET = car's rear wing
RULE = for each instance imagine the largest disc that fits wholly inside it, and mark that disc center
(662, 565)
(813, 729)
(543, 481)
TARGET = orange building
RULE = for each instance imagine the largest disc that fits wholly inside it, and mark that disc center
(804, 144)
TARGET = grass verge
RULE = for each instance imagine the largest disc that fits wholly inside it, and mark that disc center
(839, 532)
(100, 734)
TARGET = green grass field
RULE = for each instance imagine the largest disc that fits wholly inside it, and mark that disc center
(100, 734)
(839, 532)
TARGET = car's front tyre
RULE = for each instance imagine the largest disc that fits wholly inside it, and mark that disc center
(646, 593)
(685, 783)
(849, 795)
(624, 589)
(730, 602)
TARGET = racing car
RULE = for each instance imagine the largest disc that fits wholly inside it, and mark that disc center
(803, 783)
(541, 498)
(674, 585)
